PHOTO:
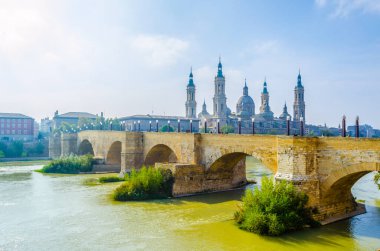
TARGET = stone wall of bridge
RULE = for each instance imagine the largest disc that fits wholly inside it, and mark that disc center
(324, 168)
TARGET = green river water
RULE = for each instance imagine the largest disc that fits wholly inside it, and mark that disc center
(57, 212)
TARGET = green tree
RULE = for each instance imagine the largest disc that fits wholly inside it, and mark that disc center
(274, 209)
(165, 128)
(15, 149)
(227, 129)
(84, 122)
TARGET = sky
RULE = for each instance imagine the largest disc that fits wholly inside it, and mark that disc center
(134, 57)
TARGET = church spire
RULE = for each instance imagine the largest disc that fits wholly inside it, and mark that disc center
(191, 104)
(299, 81)
(220, 72)
(245, 89)
(299, 101)
(265, 89)
(191, 80)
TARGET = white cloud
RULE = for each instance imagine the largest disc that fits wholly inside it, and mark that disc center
(159, 50)
(343, 8)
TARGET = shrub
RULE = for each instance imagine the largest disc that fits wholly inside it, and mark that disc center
(275, 209)
(71, 165)
(109, 179)
(377, 179)
(146, 183)
(91, 182)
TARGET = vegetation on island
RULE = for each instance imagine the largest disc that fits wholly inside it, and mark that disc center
(71, 165)
(102, 180)
(145, 183)
(274, 209)
(377, 179)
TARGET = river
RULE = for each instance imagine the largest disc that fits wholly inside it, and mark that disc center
(57, 212)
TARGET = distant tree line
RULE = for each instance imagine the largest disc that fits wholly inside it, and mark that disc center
(16, 149)
(88, 124)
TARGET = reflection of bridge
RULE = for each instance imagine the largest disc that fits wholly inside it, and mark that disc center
(324, 168)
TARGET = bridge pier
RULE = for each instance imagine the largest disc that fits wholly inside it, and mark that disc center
(132, 155)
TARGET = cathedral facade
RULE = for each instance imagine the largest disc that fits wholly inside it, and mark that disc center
(264, 122)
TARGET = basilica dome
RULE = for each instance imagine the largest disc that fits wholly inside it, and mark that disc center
(245, 106)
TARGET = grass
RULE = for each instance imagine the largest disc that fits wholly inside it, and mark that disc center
(91, 182)
(109, 179)
(275, 209)
(102, 180)
(69, 165)
(145, 184)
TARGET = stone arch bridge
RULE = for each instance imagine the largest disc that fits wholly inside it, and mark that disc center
(324, 168)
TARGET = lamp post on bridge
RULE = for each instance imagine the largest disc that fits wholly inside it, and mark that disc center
(344, 133)
(111, 125)
(168, 125)
(302, 127)
(178, 125)
(205, 126)
(138, 124)
(134, 126)
(156, 125)
(288, 125)
(239, 125)
(218, 126)
(357, 134)
(150, 125)
(191, 126)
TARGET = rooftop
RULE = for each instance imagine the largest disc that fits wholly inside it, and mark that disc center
(14, 116)
(153, 117)
(77, 115)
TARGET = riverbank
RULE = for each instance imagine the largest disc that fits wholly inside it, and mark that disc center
(24, 159)
(15, 163)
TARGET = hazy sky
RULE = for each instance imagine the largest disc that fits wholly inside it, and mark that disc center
(134, 57)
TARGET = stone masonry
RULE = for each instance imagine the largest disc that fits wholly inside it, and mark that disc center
(324, 168)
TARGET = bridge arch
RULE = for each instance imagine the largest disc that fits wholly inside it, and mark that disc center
(160, 154)
(114, 154)
(231, 168)
(228, 159)
(85, 147)
(338, 184)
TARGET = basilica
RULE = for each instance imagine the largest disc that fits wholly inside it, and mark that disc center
(264, 122)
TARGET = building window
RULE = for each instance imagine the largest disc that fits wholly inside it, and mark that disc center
(25, 132)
